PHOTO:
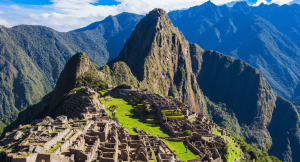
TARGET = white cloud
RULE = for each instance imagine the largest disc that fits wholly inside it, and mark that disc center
(258, 2)
(281, 2)
(66, 15)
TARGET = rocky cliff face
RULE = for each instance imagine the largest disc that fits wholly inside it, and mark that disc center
(159, 57)
(241, 87)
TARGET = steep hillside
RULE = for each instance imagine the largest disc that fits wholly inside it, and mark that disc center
(285, 131)
(241, 87)
(119, 73)
(158, 56)
(78, 72)
(271, 29)
(32, 58)
(240, 99)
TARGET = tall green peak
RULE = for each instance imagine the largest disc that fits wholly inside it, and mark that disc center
(158, 56)
(77, 65)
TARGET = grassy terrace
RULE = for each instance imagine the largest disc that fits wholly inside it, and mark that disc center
(102, 92)
(129, 118)
(51, 150)
(180, 150)
(233, 151)
(192, 118)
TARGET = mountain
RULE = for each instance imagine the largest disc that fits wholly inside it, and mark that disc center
(264, 36)
(32, 58)
(229, 91)
(158, 56)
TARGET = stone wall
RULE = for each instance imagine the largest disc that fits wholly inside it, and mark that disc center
(152, 121)
(67, 135)
(168, 148)
(30, 158)
(80, 156)
(194, 148)
(73, 138)
(192, 116)
(54, 140)
(87, 126)
(178, 118)
(53, 158)
(45, 157)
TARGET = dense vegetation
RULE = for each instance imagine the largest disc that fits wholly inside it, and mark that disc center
(93, 79)
(255, 153)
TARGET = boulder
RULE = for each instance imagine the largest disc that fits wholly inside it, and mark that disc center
(62, 119)
(39, 149)
(48, 118)
(31, 148)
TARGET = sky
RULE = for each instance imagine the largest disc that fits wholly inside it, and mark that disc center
(67, 15)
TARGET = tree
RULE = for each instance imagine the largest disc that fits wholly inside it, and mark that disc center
(147, 110)
(113, 107)
(186, 147)
(186, 133)
(163, 116)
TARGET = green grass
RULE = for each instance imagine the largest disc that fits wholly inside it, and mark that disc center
(180, 150)
(233, 152)
(129, 118)
(153, 154)
(102, 92)
(51, 150)
(191, 118)
(70, 136)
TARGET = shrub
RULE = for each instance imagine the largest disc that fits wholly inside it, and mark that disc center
(147, 111)
(186, 133)
(124, 86)
(113, 107)
(274, 159)
(163, 116)
(93, 79)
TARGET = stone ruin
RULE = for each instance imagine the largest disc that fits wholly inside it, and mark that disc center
(96, 139)
(203, 142)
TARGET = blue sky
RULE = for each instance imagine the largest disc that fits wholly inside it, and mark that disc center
(48, 2)
(66, 15)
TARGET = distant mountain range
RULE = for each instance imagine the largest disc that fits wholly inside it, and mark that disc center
(266, 37)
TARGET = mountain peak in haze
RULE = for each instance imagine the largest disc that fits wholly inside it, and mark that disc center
(243, 5)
